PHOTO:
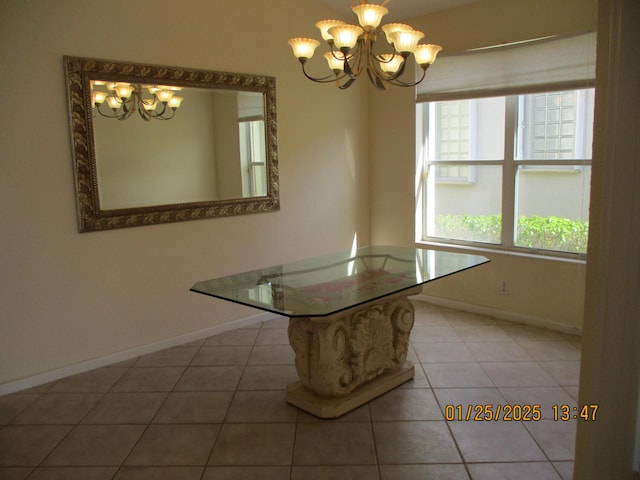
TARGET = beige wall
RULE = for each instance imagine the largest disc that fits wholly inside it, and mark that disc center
(548, 291)
(67, 297)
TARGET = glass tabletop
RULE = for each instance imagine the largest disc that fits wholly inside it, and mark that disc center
(328, 284)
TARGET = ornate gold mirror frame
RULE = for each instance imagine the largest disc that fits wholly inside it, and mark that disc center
(80, 72)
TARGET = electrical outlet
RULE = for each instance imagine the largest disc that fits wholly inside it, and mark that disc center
(504, 288)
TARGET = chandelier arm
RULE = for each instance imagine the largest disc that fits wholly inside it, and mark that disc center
(127, 111)
(381, 74)
(377, 77)
(115, 114)
(347, 84)
(400, 83)
(358, 52)
(328, 79)
(153, 114)
(161, 116)
(143, 114)
(106, 115)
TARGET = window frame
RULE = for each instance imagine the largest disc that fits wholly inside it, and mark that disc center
(509, 166)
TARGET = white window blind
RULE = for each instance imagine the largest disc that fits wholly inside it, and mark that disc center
(541, 65)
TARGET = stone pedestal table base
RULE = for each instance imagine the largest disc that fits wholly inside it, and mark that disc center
(346, 359)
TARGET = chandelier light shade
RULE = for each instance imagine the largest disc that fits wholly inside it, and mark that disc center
(120, 100)
(353, 49)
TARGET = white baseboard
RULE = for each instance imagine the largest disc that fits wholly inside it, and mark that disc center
(57, 374)
(500, 314)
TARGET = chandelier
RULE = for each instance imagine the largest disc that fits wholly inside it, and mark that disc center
(123, 99)
(351, 49)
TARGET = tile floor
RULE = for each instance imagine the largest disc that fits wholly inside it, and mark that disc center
(215, 409)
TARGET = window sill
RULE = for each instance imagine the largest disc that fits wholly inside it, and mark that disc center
(580, 259)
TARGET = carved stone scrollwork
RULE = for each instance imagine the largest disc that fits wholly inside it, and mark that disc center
(336, 355)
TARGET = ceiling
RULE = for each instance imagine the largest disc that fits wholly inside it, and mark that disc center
(402, 9)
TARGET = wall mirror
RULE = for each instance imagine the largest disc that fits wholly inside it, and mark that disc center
(154, 144)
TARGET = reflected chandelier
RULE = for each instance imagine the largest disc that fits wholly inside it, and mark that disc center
(124, 99)
(351, 49)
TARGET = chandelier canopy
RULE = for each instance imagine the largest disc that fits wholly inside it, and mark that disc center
(124, 99)
(351, 49)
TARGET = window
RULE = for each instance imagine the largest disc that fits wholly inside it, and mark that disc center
(253, 158)
(507, 171)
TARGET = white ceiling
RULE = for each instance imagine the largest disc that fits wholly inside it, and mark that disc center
(402, 9)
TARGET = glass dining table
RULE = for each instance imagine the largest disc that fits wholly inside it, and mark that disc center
(350, 317)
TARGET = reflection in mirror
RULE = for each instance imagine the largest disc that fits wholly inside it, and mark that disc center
(159, 144)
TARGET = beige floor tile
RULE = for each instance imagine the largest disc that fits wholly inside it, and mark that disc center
(509, 471)
(507, 351)
(194, 407)
(234, 337)
(551, 350)
(264, 406)
(429, 317)
(221, 355)
(518, 374)
(157, 473)
(125, 408)
(58, 408)
(565, 469)
(419, 379)
(174, 445)
(95, 445)
(556, 438)
(12, 405)
(149, 379)
(420, 334)
(66, 473)
(482, 333)
(443, 352)
(278, 322)
(171, 357)
(15, 473)
(273, 336)
(452, 375)
(246, 473)
(330, 443)
(272, 355)
(495, 442)
(564, 372)
(216, 378)
(430, 320)
(360, 472)
(273, 377)
(28, 445)
(254, 444)
(572, 390)
(414, 443)
(99, 380)
(423, 472)
(405, 404)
